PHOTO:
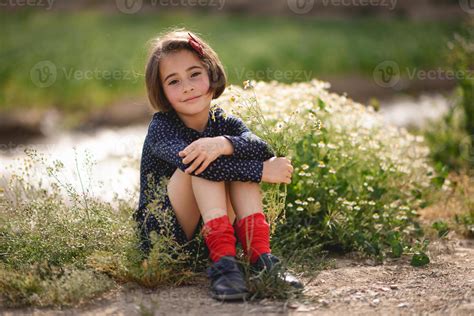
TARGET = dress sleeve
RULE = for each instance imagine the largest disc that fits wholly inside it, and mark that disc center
(246, 144)
(167, 143)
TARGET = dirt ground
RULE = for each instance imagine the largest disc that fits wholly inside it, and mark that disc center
(355, 287)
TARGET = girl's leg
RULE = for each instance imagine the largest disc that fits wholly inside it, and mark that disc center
(230, 208)
(184, 203)
(210, 197)
(253, 230)
(251, 227)
(246, 198)
(218, 231)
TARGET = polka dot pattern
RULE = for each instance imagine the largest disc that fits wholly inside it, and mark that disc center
(168, 135)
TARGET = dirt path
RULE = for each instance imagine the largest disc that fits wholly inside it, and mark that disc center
(444, 287)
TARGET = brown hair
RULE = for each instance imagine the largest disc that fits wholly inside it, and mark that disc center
(173, 41)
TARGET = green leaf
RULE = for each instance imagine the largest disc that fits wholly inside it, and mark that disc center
(438, 181)
(441, 175)
(442, 228)
(419, 259)
(397, 248)
(321, 104)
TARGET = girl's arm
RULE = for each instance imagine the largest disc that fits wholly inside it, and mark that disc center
(246, 144)
(166, 145)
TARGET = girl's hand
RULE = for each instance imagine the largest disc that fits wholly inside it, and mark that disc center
(202, 152)
(277, 170)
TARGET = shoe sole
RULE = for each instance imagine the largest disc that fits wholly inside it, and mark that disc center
(229, 297)
(254, 276)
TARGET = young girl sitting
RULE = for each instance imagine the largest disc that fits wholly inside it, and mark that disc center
(213, 162)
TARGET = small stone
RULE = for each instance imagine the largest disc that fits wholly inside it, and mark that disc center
(372, 293)
(402, 305)
(303, 308)
(375, 302)
(323, 302)
(265, 301)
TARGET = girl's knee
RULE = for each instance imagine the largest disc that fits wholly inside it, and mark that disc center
(180, 173)
(180, 178)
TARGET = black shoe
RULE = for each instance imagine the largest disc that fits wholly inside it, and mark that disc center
(227, 280)
(272, 264)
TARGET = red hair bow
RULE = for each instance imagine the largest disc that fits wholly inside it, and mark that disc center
(195, 45)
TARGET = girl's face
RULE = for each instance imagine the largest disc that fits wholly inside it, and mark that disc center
(185, 82)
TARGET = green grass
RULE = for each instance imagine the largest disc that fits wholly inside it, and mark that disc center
(86, 41)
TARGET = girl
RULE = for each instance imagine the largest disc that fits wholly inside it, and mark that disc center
(213, 162)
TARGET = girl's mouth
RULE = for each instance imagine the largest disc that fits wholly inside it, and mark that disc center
(192, 99)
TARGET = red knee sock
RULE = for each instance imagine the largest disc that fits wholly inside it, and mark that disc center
(254, 235)
(219, 237)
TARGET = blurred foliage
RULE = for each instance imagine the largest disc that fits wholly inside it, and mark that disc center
(466, 223)
(99, 58)
(462, 60)
(451, 139)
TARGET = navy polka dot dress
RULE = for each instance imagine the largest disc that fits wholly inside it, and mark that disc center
(167, 136)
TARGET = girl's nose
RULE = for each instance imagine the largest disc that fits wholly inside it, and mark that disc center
(187, 87)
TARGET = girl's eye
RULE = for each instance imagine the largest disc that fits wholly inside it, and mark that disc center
(195, 74)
